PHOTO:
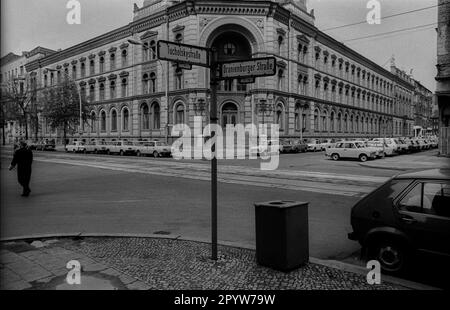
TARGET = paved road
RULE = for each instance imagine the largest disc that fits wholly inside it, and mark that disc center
(75, 193)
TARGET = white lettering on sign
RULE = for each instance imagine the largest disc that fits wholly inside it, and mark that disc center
(183, 54)
(251, 68)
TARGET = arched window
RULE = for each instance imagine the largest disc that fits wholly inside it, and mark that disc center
(324, 121)
(124, 87)
(124, 58)
(357, 124)
(152, 82)
(178, 78)
(229, 49)
(316, 120)
(92, 67)
(113, 89)
(93, 121)
(332, 126)
(112, 60)
(339, 122)
(280, 79)
(74, 72)
(145, 112)
(280, 44)
(102, 91)
(280, 116)
(92, 93)
(114, 120)
(145, 84)
(179, 114)
(352, 123)
(346, 123)
(102, 64)
(83, 69)
(156, 111)
(125, 119)
(103, 121)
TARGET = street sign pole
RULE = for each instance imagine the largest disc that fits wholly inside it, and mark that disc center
(213, 121)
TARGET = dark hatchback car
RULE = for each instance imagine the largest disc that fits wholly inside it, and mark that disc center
(408, 215)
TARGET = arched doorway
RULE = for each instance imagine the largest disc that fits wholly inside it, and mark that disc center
(230, 115)
(232, 42)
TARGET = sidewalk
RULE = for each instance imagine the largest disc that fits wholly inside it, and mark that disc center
(424, 160)
(159, 264)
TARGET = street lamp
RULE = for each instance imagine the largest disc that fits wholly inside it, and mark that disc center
(66, 74)
(166, 74)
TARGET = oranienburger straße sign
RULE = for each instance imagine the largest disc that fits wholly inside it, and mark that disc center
(249, 68)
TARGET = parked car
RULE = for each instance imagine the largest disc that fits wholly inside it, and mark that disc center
(32, 144)
(159, 149)
(391, 142)
(121, 147)
(351, 149)
(286, 147)
(328, 143)
(299, 146)
(408, 214)
(412, 145)
(402, 146)
(269, 148)
(76, 147)
(314, 145)
(95, 147)
(385, 149)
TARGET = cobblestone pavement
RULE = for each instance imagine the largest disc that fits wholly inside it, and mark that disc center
(42, 266)
(159, 264)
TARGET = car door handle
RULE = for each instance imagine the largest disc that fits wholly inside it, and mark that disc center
(408, 219)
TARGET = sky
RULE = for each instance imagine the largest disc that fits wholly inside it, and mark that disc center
(26, 24)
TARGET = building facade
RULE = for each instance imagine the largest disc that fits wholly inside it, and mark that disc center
(423, 110)
(443, 75)
(322, 89)
(13, 73)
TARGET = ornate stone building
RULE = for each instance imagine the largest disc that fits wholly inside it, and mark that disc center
(322, 87)
(443, 75)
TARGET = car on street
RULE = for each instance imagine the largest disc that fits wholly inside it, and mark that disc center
(76, 147)
(265, 148)
(328, 143)
(385, 149)
(286, 147)
(391, 142)
(314, 145)
(299, 146)
(159, 149)
(94, 147)
(407, 215)
(121, 147)
(402, 146)
(351, 149)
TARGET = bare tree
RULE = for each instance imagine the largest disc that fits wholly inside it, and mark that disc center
(17, 103)
(61, 106)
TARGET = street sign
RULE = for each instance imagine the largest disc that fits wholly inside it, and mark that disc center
(184, 66)
(247, 80)
(183, 53)
(256, 67)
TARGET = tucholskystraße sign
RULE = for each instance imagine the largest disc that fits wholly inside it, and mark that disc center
(183, 53)
(251, 68)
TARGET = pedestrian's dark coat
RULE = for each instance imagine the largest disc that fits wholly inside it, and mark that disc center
(23, 159)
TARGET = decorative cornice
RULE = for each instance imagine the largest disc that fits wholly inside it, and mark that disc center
(82, 59)
(112, 50)
(178, 28)
(149, 34)
(74, 62)
(124, 45)
(92, 56)
(112, 77)
(101, 79)
(92, 81)
(101, 53)
(124, 74)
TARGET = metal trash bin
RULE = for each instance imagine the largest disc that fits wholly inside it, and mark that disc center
(282, 234)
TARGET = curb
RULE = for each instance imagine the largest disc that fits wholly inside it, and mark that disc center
(346, 267)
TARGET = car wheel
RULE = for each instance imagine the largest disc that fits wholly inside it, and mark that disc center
(335, 157)
(155, 154)
(363, 158)
(138, 154)
(390, 254)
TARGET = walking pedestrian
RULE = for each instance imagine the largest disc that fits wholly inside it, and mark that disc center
(23, 159)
